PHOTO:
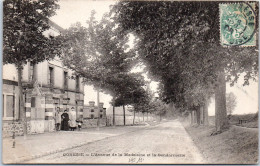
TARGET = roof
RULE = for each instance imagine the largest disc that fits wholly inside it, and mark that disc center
(56, 26)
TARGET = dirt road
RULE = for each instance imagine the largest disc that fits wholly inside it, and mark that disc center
(165, 143)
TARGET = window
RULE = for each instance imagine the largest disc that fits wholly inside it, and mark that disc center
(51, 76)
(101, 116)
(101, 110)
(65, 84)
(77, 83)
(8, 106)
(92, 110)
(3, 105)
(92, 116)
(33, 102)
(32, 72)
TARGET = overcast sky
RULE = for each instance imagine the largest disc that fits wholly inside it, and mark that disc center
(72, 11)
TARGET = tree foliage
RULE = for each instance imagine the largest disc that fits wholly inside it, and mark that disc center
(231, 102)
(179, 42)
(99, 54)
(158, 107)
(23, 25)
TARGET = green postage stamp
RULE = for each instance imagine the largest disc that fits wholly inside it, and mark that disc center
(237, 24)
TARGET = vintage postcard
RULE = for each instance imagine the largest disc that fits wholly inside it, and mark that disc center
(130, 82)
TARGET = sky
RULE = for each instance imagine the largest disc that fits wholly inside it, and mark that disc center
(72, 11)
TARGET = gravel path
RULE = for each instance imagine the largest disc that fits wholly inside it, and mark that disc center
(165, 143)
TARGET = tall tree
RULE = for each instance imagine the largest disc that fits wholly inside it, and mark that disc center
(99, 54)
(178, 42)
(130, 91)
(24, 22)
(142, 102)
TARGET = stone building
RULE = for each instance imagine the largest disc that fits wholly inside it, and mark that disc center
(91, 113)
(47, 86)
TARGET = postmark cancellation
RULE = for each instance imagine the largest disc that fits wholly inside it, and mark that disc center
(237, 24)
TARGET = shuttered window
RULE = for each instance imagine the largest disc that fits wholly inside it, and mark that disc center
(51, 76)
(65, 84)
(77, 83)
(8, 106)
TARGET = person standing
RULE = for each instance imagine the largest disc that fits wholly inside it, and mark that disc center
(79, 122)
(73, 123)
(57, 119)
(65, 121)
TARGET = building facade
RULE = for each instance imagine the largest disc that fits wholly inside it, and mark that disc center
(47, 87)
(91, 114)
(92, 111)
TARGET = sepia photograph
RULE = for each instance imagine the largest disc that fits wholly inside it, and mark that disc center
(130, 82)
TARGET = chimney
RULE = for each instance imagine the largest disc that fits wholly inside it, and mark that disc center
(91, 103)
(101, 105)
(104, 111)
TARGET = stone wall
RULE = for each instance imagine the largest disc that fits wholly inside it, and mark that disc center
(119, 119)
(8, 129)
(87, 123)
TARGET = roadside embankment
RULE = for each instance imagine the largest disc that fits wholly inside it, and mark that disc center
(238, 145)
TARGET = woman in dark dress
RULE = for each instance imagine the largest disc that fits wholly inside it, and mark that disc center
(65, 121)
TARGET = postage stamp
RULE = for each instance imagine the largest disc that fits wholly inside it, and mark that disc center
(237, 24)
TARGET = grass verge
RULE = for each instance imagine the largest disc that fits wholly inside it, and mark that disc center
(238, 145)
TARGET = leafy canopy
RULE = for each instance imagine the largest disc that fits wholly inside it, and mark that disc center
(179, 43)
(24, 22)
(98, 54)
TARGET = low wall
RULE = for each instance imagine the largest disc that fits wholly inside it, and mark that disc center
(33, 127)
(87, 123)
(119, 119)
(9, 127)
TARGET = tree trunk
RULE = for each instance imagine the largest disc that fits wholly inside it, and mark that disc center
(98, 120)
(124, 113)
(220, 103)
(143, 116)
(114, 120)
(192, 117)
(201, 115)
(134, 118)
(195, 116)
(147, 117)
(198, 115)
(205, 113)
(22, 108)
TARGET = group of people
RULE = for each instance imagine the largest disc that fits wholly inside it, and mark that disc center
(67, 120)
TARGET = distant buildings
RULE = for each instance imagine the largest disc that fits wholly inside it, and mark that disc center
(92, 112)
